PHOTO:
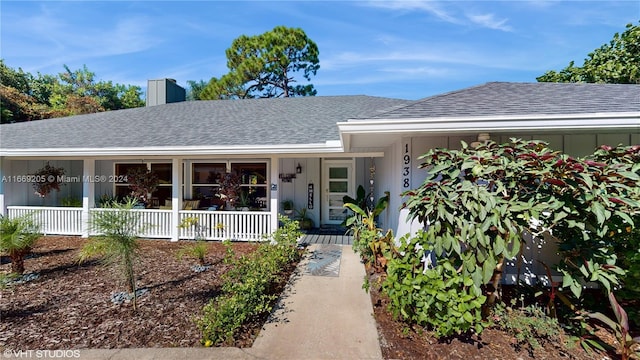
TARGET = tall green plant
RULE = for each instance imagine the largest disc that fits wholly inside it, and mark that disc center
(17, 236)
(117, 243)
(362, 226)
(478, 202)
(476, 211)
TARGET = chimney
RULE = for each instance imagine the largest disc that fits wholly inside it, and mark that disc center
(164, 91)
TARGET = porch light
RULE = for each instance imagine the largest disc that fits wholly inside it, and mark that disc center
(298, 169)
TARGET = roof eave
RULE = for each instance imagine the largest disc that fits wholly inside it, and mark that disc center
(450, 125)
(330, 147)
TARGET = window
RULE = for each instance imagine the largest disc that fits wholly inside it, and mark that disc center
(206, 179)
(253, 177)
(252, 181)
(162, 170)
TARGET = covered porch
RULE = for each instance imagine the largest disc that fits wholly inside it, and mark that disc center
(311, 181)
(178, 196)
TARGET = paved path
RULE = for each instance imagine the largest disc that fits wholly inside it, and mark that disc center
(318, 317)
(323, 317)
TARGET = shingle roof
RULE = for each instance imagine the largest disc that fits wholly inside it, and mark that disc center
(303, 120)
(513, 99)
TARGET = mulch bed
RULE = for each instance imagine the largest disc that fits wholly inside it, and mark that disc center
(69, 305)
(401, 341)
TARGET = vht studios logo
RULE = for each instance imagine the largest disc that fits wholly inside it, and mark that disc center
(40, 354)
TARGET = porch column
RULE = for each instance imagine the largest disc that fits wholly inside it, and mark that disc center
(275, 197)
(88, 194)
(4, 172)
(176, 197)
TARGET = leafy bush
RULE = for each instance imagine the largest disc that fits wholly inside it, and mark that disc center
(477, 203)
(439, 295)
(248, 289)
(71, 201)
(619, 326)
(17, 236)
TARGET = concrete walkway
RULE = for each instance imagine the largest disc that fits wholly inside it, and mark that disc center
(318, 317)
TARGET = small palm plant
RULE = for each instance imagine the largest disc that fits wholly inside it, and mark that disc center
(17, 236)
(119, 227)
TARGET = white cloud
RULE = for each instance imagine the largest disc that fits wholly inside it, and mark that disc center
(448, 15)
(489, 21)
(430, 7)
(48, 39)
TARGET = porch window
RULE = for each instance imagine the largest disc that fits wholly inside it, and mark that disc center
(206, 180)
(253, 177)
(162, 171)
(253, 181)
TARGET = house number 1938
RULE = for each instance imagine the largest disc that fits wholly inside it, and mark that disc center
(406, 164)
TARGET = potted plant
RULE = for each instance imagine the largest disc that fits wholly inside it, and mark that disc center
(287, 206)
(142, 183)
(244, 201)
(304, 219)
(229, 189)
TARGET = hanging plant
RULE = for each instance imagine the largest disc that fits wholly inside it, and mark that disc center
(142, 183)
(47, 179)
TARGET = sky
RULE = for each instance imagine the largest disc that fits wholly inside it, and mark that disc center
(396, 49)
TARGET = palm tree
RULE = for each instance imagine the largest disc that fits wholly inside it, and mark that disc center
(117, 243)
(17, 236)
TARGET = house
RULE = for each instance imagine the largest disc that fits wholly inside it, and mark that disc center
(311, 150)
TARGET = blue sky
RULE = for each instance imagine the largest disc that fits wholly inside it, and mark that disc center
(396, 49)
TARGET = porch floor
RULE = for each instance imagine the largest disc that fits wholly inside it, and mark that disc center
(335, 236)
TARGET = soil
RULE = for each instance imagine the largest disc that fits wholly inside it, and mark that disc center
(399, 340)
(69, 307)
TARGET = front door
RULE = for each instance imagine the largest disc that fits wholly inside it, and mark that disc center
(337, 181)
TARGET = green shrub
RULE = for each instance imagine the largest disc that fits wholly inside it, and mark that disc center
(627, 249)
(17, 236)
(440, 297)
(71, 201)
(248, 288)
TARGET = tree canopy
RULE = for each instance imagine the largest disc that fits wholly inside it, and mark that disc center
(265, 65)
(25, 97)
(617, 62)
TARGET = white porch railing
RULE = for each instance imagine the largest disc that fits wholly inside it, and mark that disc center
(228, 225)
(53, 220)
(154, 223)
(216, 225)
